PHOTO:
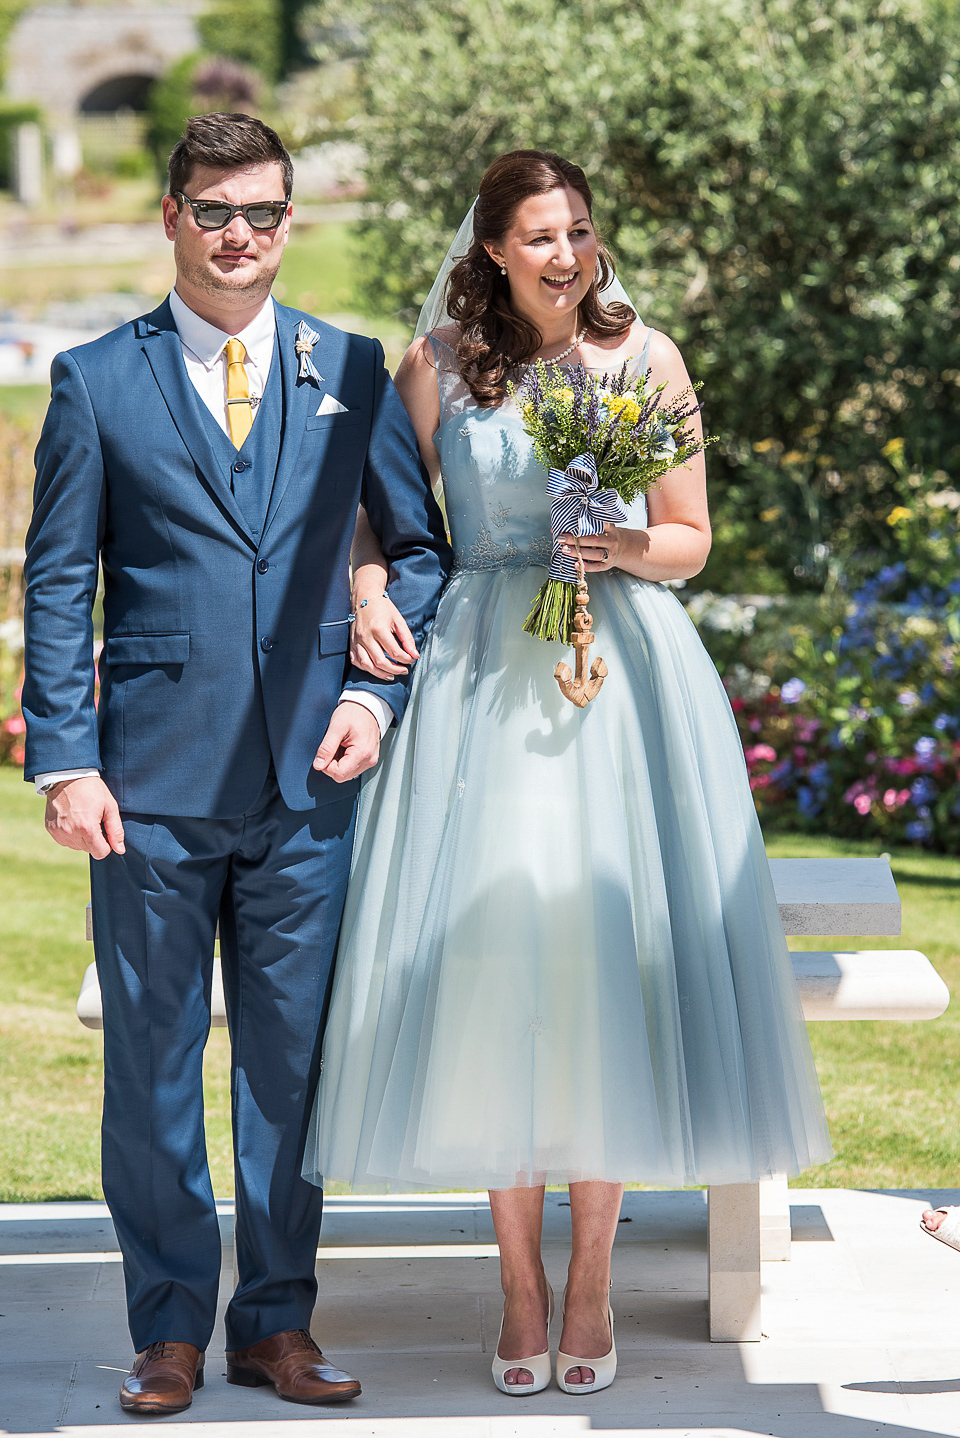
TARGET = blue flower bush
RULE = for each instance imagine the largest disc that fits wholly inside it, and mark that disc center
(848, 703)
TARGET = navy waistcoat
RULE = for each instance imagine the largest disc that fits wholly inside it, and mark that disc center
(250, 472)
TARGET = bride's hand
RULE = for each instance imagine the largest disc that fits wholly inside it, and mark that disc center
(380, 640)
(599, 551)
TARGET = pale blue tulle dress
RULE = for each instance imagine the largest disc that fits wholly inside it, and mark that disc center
(561, 956)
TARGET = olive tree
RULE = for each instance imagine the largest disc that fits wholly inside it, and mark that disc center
(778, 179)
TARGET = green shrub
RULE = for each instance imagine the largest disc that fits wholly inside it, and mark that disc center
(169, 107)
(778, 178)
(249, 31)
(12, 114)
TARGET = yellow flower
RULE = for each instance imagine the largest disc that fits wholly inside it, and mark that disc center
(761, 446)
(898, 514)
(895, 446)
(622, 404)
(563, 395)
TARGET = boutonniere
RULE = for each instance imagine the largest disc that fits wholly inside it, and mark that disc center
(306, 339)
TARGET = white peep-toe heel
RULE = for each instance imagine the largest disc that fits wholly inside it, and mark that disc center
(538, 1366)
(604, 1369)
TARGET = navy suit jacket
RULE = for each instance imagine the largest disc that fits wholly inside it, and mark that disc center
(222, 650)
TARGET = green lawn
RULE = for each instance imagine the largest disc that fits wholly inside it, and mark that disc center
(51, 1068)
(891, 1089)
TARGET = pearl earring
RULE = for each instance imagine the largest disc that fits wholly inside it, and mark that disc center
(503, 269)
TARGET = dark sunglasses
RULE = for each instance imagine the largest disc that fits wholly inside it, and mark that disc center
(217, 214)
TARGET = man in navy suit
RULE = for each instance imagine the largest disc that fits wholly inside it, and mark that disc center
(211, 456)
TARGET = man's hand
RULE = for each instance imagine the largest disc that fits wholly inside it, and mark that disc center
(83, 814)
(351, 744)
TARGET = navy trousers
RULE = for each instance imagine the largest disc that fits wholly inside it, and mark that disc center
(276, 881)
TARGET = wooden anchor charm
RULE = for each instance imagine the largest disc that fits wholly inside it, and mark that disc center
(578, 688)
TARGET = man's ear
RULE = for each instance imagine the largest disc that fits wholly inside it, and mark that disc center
(171, 214)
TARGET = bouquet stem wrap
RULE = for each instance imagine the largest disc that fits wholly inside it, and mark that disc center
(578, 506)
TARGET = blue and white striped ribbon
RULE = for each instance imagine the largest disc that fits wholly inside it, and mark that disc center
(579, 506)
(306, 339)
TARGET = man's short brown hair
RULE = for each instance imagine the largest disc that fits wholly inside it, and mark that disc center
(227, 142)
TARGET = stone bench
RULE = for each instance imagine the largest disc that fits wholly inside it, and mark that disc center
(750, 1222)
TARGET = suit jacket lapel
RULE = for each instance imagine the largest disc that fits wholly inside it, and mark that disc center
(161, 345)
(298, 396)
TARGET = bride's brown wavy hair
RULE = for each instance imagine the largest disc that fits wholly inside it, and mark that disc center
(493, 338)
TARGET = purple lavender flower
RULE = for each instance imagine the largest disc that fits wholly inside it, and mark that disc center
(925, 747)
(593, 415)
(792, 690)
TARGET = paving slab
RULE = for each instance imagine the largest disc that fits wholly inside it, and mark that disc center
(861, 1327)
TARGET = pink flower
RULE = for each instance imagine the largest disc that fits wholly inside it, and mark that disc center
(18, 755)
(896, 798)
(760, 752)
(760, 781)
(862, 803)
(16, 724)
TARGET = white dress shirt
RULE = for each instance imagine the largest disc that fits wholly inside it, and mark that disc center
(203, 348)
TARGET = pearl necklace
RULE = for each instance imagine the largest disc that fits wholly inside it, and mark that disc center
(563, 353)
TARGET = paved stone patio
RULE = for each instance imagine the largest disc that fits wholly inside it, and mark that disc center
(861, 1327)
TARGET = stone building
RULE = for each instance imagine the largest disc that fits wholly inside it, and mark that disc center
(89, 66)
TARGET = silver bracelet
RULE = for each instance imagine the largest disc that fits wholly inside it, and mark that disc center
(362, 605)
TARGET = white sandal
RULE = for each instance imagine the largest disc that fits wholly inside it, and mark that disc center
(538, 1366)
(604, 1369)
(949, 1230)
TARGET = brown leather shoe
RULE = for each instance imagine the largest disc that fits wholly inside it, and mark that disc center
(163, 1378)
(293, 1363)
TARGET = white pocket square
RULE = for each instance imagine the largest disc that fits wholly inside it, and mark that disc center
(329, 405)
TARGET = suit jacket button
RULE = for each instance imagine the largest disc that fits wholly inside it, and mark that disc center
(266, 644)
(241, 465)
(262, 566)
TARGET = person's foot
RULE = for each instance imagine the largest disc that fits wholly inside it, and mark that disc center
(931, 1218)
(524, 1331)
(293, 1363)
(586, 1329)
(163, 1378)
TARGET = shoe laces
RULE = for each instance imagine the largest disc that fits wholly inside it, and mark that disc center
(301, 1339)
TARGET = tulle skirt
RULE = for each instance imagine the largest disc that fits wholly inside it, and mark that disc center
(561, 956)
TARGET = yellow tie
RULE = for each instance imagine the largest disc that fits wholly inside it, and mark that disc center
(239, 408)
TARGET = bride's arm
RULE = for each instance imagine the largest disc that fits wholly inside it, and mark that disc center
(380, 630)
(676, 541)
(380, 639)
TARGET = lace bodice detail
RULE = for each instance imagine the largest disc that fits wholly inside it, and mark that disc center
(494, 487)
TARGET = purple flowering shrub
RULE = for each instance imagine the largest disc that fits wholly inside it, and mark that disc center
(849, 706)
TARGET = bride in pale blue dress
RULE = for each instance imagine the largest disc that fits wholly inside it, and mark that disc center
(561, 958)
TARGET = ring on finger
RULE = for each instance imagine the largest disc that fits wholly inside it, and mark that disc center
(606, 554)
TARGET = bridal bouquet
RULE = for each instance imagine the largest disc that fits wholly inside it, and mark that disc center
(604, 441)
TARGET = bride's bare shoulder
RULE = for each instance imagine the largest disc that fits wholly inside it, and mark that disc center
(433, 351)
(613, 352)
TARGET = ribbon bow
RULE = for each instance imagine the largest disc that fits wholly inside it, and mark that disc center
(306, 339)
(579, 506)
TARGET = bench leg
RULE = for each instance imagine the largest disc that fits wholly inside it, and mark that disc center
(733, 1226)
(774, 1219)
